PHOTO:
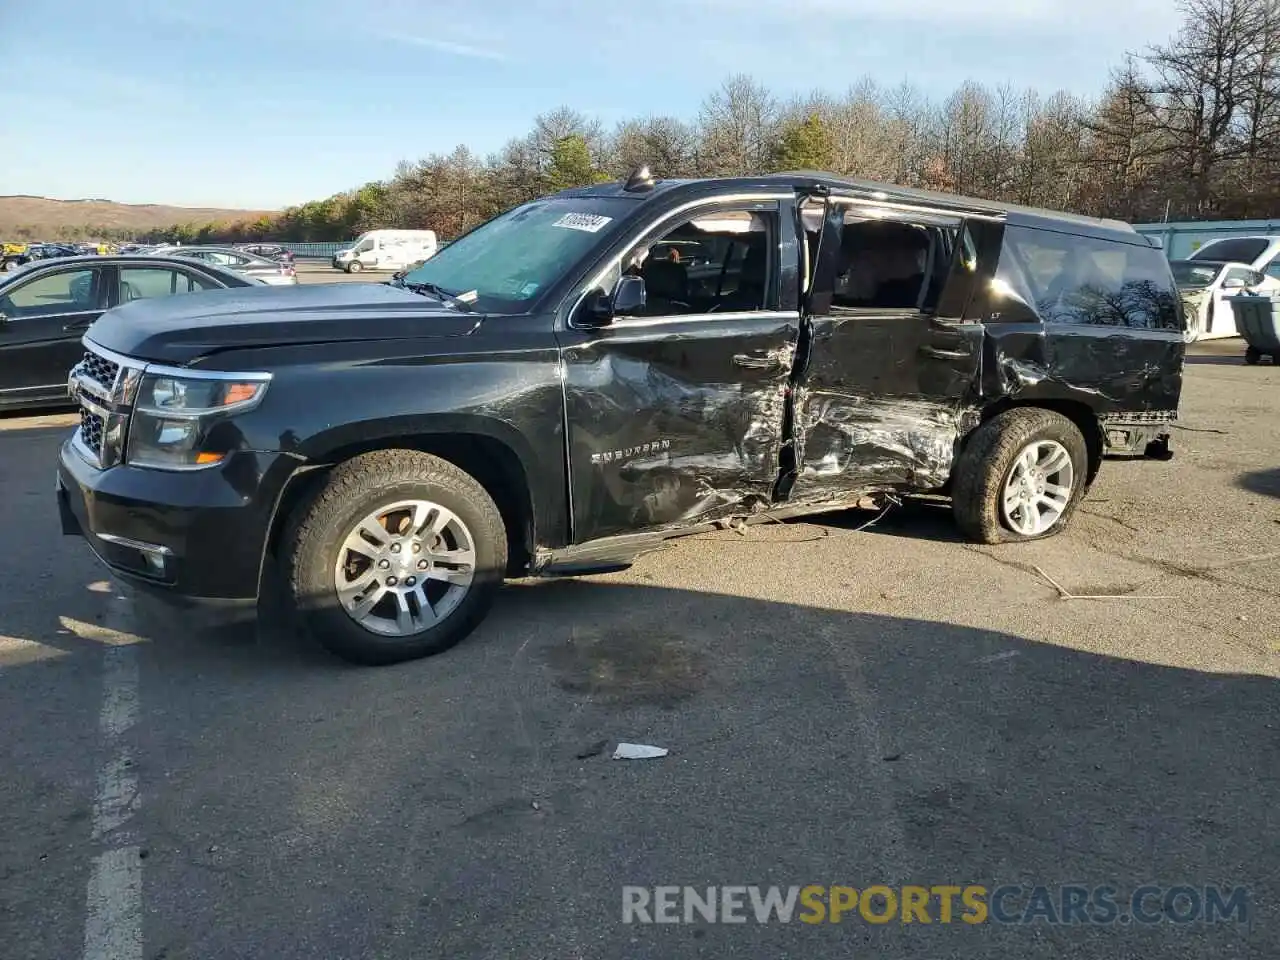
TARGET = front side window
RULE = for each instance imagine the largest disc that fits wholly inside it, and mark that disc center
(69, 291)
(365, 246)
(716, 262)
(1073, 279)
(141, 283)
(508, 262)
(1242, 276)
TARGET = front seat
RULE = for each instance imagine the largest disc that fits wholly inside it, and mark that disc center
(752, 281)
(666, 287)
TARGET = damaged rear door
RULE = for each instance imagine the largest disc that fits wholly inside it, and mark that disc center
(675, 416)
(888, 383)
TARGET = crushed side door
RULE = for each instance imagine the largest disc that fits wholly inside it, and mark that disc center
(885, 389)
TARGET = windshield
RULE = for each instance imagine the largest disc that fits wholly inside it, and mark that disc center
(509, 261)
(1242, 250)
(1188, 273)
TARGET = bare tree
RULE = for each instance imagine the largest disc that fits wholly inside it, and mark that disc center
(738, 125)
(1202, 80)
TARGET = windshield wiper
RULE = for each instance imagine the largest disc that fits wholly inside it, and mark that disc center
(422, 286)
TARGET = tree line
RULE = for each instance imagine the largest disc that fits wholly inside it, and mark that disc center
(1186, 130)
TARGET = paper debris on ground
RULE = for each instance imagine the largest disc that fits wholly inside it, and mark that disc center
(638, 751)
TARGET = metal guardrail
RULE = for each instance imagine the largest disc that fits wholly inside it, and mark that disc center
(323, 251)
(316, 251)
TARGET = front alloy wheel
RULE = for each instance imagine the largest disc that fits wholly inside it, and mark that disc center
(405, 567)
(395, 554)
(1038, 488)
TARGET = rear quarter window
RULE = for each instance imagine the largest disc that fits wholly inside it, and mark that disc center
(1085, 280)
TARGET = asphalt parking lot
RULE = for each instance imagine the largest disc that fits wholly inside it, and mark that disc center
(842, 706)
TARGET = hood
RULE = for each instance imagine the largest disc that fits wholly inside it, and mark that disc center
(180, 329)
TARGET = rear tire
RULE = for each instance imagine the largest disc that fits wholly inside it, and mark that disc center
(986, 476)
(316, 552)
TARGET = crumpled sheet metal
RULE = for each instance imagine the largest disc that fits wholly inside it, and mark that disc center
(848, 443)
(716, 453)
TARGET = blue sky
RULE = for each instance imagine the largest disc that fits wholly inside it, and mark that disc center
(260, 105)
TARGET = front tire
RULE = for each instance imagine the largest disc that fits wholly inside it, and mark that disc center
(355, 266)
(397, 555)
(1020, 477)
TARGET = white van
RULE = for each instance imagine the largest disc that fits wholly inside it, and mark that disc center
(386, 250)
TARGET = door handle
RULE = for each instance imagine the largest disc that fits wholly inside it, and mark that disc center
(767, 362)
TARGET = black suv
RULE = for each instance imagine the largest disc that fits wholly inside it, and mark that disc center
(557, 391)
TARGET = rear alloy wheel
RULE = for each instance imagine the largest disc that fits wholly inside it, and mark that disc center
(1038, 488)
(1020, 476)
(397, 555)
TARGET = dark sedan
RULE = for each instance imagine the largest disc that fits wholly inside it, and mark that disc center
(46, 306)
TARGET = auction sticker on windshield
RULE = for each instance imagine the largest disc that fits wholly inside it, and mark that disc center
(589, 222)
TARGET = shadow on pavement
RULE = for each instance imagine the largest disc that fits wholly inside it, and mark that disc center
(463, 805)
(1266, 482)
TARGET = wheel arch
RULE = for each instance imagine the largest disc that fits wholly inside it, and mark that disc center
(491, 460)
(1078, 412)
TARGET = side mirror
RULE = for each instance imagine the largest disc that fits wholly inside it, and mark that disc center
(628, 297)
(600, 308)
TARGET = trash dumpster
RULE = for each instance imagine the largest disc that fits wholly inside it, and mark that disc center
(1258, 321)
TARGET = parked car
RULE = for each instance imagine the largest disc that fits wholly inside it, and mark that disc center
(544, 396)
(1207, 287)
(386, 250)
(51, 251)
(270, 251)
(260, 268)
(1219, 270)
(47, 306)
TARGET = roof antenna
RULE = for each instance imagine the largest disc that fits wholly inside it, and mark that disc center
(641, 180)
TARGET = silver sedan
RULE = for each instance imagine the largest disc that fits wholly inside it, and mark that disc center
(248, 264)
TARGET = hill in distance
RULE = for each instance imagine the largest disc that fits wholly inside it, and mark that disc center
(46, 216)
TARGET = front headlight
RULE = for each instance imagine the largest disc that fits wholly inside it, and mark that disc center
(177, 410)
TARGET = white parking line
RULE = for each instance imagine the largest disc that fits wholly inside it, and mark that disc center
(113, 918)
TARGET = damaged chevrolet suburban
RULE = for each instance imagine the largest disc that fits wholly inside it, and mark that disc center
(591, 373)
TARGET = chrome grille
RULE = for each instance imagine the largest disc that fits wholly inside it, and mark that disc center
(99, 369)
(91, 428)
(104, 384)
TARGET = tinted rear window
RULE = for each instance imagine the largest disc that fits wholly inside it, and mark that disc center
(1073, 279)
(1238, 251)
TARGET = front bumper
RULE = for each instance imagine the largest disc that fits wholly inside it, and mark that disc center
(199, 534)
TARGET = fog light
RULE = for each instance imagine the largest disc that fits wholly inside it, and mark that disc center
(154, 556)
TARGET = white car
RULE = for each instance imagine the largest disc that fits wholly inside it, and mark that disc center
(1221, 269)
